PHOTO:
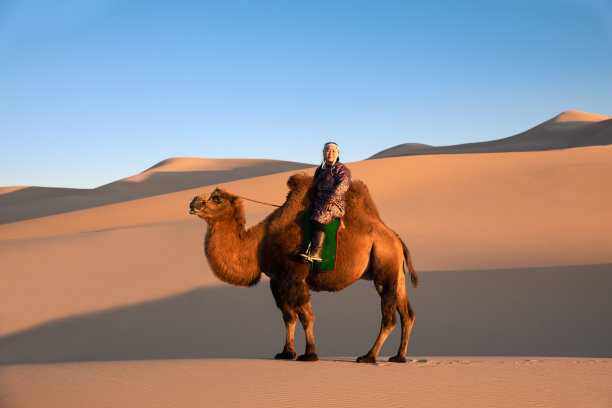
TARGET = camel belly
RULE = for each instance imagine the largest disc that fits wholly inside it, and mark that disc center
(351, 266)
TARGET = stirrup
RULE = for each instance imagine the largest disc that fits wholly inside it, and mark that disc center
(306, 258)
(306, 255)
(313, 260)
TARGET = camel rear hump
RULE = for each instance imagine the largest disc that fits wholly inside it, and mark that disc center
(358, 197)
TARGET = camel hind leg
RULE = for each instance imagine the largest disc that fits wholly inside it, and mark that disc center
(389, 279)
(407, 320)
(388, 304)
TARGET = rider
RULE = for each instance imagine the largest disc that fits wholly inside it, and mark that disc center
(331, 181)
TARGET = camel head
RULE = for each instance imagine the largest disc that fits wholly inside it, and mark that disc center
(218, 205)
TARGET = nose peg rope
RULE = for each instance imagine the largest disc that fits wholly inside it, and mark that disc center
(244, 198)
(259, 202)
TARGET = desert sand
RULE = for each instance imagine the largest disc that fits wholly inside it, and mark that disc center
(335, 382)
(107, 299)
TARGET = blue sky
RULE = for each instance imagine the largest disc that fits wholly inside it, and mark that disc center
(94, 91)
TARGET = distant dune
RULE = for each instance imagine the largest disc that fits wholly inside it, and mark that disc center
(566, 130)
(20, 203)
(4, 190)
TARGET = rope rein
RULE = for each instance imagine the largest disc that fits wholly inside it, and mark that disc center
(259, 202)
(214, 193)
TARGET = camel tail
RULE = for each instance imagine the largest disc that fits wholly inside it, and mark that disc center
(413, 276)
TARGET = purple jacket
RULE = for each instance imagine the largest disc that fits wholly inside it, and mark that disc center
(331, 184)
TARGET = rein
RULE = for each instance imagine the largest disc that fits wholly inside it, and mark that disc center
(259, 202)
(214, 193)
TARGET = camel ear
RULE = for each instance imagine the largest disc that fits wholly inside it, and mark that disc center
(236, 201)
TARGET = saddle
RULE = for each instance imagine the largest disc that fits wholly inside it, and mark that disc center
(330, 245)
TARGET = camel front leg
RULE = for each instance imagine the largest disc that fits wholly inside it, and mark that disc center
(307, 319)
(290, 319)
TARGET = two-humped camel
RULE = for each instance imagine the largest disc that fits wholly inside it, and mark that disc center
(367, 249)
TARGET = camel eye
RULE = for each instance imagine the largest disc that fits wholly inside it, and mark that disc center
(216, 199)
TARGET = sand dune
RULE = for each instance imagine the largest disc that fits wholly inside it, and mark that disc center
(513, 252)
(184, 173)
(566, 130)
(171, 175)
(5, 190)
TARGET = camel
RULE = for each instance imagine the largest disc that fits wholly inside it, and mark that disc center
(367, 249)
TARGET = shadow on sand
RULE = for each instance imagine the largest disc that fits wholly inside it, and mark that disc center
(522, 312)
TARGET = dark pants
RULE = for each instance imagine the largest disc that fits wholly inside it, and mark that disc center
(317, 226)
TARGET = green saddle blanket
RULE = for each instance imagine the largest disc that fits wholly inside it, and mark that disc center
(330, 245)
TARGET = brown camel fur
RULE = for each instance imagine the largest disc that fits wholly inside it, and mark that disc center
(367, 249)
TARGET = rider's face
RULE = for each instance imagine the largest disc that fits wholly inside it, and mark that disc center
(330, 154)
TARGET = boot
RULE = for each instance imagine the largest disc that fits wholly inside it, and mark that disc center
(315, 248)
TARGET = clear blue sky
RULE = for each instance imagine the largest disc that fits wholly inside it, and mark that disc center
(94, 91)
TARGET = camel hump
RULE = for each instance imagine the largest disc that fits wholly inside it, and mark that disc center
(299, 180)
(358, 197)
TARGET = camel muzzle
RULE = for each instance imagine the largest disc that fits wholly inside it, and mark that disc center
(192, 206)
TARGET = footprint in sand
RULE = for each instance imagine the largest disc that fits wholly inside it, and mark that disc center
(590, 362)
(524, 362)
(419, 362)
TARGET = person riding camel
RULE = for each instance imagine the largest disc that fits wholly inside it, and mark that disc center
(331, 181)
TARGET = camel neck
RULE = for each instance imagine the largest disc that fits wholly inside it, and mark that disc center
(232, 252)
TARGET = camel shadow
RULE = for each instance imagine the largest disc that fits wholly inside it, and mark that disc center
(521, 312)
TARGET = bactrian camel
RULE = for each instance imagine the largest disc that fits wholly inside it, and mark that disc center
(367, 249)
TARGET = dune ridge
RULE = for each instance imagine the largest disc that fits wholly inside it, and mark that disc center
(4, 190)
(168, 176)
(567, 130)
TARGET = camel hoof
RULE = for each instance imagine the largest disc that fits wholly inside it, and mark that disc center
(366, 359)
(285, 355)
(308, 357)
(398, 359)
